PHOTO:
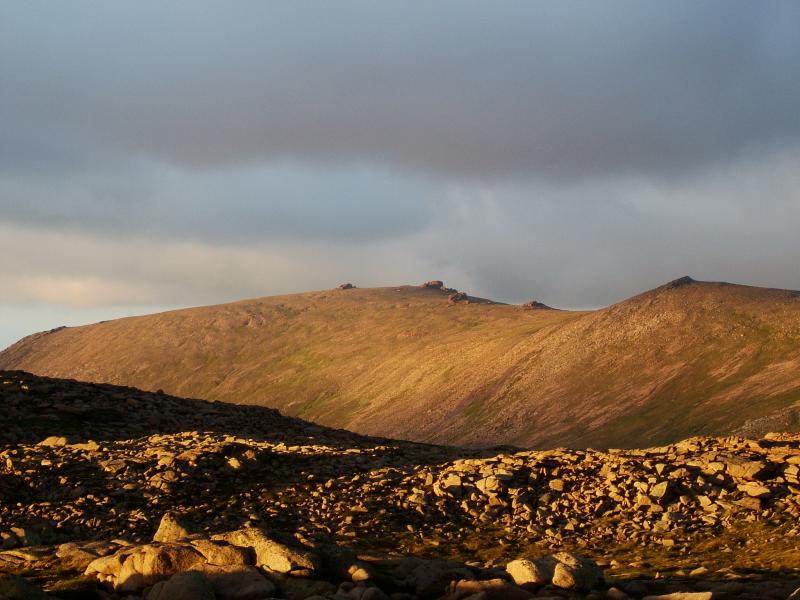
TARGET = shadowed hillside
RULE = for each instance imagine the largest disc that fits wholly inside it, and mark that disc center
(684, 359)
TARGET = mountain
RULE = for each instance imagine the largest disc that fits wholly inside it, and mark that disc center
(111, 492)
(420, 363)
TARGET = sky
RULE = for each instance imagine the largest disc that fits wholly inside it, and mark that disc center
(157, 155)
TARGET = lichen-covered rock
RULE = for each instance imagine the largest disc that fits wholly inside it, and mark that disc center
(749, 469)
(272, 554)
(146, 565)
(172, 528)
(532, 572)
(574, 572)
(53, 441)
(222, 554)
(78, 556)
(107, 568)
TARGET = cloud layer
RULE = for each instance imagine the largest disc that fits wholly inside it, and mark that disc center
(156, 155)
(562, 89)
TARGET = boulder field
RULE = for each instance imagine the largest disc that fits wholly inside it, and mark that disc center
(108, 492)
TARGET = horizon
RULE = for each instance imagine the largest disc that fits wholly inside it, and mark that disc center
(571, 152)
(77, 319)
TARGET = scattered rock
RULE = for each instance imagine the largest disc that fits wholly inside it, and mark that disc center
(13, 587)
(659, 490)
(27, 536)
(190, 585)
(296, 588)
(239, 583)
(491, 589)
(171, 529)
(536, 572)
(272, 554)
(78, 556)
(97, 504)
(145, 565)
(53, 441)
(458, 297)
(222, 554)
(573, 572)
(682, 596)
(751, 469)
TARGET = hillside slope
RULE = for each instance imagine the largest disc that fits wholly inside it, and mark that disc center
(684, 359)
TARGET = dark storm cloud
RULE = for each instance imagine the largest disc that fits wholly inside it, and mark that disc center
(459, 89)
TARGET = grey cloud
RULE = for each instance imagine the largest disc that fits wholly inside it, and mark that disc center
(285, 201)
(460, 89)
(735, 223)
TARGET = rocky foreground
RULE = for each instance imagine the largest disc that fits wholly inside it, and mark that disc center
(108, 491)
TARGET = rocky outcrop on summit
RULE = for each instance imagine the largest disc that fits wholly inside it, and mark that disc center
(679, 282)
(536, 305)
(457, 297)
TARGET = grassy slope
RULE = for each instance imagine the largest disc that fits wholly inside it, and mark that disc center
(697, 358)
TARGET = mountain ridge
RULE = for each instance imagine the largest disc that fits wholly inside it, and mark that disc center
(682, 359)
